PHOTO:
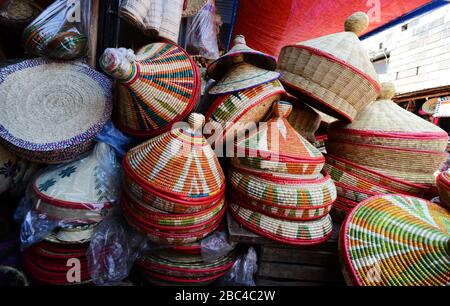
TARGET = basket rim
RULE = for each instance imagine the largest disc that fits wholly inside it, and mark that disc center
(401, 135)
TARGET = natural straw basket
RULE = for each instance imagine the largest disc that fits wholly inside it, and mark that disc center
(287, 232)
(75, 234)
(334, 71)
(171, 19)
(429, 107)
(18, 13)
(157, 87)
(406, 243)
(353, 193)
(443, 186)
(7, 169)
(192, 7)
(52, 111)
(135, 11)
(385, 123)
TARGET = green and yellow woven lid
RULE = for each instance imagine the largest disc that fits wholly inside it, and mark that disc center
(396, 240)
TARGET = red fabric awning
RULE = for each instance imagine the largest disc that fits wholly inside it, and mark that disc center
(268, 25)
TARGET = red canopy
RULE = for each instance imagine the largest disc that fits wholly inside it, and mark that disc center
(268, 25)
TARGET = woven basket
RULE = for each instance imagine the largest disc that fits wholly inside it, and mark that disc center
(376, 177)
(287, 232)
(75, 234)
(234, 111)
(135, 11)
(278, 147)
(18, 13)
(305, 120)
(192, 7)
(52, 111)
(334, 71)
(7, 169)
(156, 88)
(242, 76)
(406, 243)
(353, 193)
(385, 123)
(443, 186)
(238, 54)
(46, 263)
(429, 107)
(178, 167)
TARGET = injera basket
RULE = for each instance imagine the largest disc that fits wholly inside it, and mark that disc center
(77, 191)
(46, 263)
(284, 231)
(353, 193)
(333, 71)
(277, 147)
(73, 234)
(7, 169)
(392, 159)
(344, 205)
(18, 13)
(242, 76)
(135, 11)
(234, 111)
(238, 54)
(385, 123)
(192, 7)
(376, 177)
(394, 240)
(305, 120)
(429, 107)
(52, 111)
(156, 88)
(443, 185)
(178, 167)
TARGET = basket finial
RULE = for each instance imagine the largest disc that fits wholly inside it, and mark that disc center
(118, 62)
(281, 109)
(387, 91)
(239, 40)
(357, 23)
(196, 121)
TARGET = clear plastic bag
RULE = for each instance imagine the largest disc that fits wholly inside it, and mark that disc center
(115, 138)
(216, 245)
(243, 270)
(201, 37)
(60, 31)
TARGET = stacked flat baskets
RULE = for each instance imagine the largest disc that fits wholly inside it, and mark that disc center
(52, 111)
(7, 169)
(156, 88)
(396, 240)
(386, 149)
(246, 87)
(174, 186)
(443, 186)
(170, 267)
(277, 186)
(332, 73)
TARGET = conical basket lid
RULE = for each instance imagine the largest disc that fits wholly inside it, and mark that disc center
(429, 107)
(240, 53)
(278, 140)
(243, 76)
(395, 240)
(179, 163)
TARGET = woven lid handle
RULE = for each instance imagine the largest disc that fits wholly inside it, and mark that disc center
(118, 62)
(387, 91)
(281, 109)
(239, 40)
(196, 121)
(357, 23)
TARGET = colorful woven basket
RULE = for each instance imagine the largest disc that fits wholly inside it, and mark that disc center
(242, 76)
(305, 120)
(52, 111)
(385, 123)
(7, 169)
(77, 191)
(157, 87)
(238, 54)
(394, 240)
(47, 263)
(178, 167)
(288, 232)
(18, 13)
(333, 71)
(277, 147)
(443, 185)
(353, 193)
(429, 107)
(234, 111)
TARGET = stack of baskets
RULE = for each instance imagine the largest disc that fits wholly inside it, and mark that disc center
(277, 186)
(386, 149)
(443, 186)
(396, 240)
(157, 87)
(246, 87)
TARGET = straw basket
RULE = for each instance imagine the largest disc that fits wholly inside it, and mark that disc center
(353, 193)
(18, 13)
(443, 185)
(401, 247)
(52, 111)
(7, 169)
(192, 7)
(287, 232)
(334, 71)
(135, 11)
(157, 87)
(74, 234)
(429, 107)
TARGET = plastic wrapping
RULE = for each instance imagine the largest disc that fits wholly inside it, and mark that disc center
(216, 245)
(60, 31)
(243, 270)
(116, 139)
(201, 37)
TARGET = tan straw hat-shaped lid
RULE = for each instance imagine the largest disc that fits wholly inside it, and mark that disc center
(179, 163)
(395, 240)
(334, 71)
(240, 53)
